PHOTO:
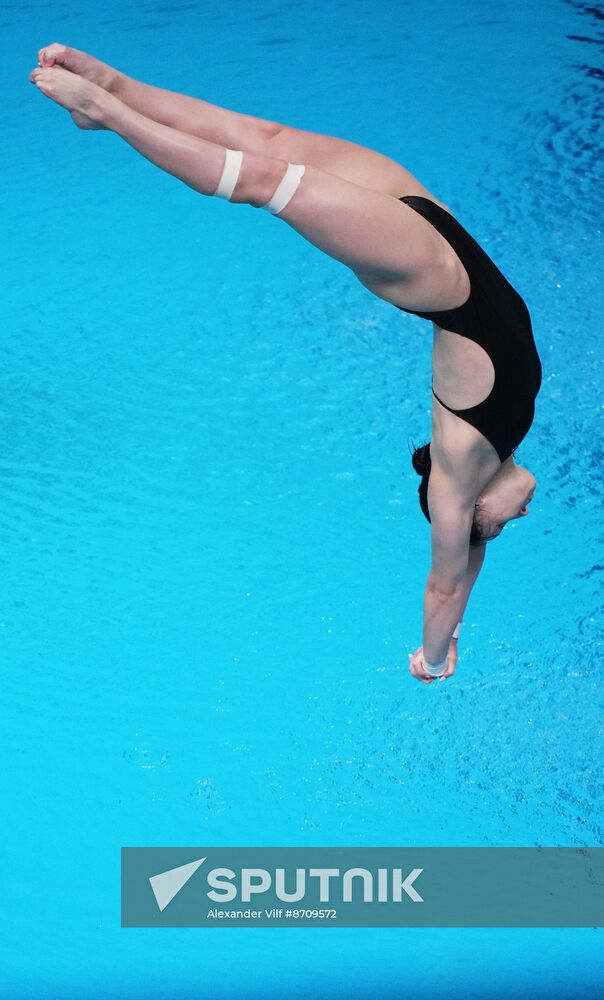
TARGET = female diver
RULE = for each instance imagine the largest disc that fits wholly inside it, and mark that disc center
(406, 247)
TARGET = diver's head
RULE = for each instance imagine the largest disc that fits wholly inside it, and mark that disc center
(505, 497)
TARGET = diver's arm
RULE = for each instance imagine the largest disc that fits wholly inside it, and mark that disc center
(441, 614)
(476, 556)
(454, 568)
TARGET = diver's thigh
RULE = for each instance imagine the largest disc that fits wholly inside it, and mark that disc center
(349, 160)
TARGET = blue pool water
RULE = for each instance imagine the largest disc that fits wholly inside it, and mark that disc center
(212, 556)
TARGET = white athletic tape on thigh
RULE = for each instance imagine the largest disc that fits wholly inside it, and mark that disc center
(230, 174)
(287, 188)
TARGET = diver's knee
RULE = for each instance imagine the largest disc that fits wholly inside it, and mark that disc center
(260, 181)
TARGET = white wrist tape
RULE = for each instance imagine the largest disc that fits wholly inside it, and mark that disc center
(230, 174)
(286, 189)
(434, 669)
(456, 632)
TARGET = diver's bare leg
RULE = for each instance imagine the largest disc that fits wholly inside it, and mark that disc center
(193, 116)
(380, 239)
(350, 160)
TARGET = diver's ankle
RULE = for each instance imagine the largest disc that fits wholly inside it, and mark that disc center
(116, 83)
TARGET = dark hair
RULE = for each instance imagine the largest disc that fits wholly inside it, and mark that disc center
(422, 463)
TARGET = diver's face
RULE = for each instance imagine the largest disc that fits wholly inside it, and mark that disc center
(506, 498)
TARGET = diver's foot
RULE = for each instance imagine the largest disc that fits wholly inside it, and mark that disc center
(84, 100)
(79, 62)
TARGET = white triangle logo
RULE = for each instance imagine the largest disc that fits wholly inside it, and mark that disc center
(167, 884)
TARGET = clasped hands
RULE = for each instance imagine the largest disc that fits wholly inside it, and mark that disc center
(416, 664)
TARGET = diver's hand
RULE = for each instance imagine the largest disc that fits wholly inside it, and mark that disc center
(451, 660)
(416, 665)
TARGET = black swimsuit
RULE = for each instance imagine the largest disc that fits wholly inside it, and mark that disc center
(497, 319)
